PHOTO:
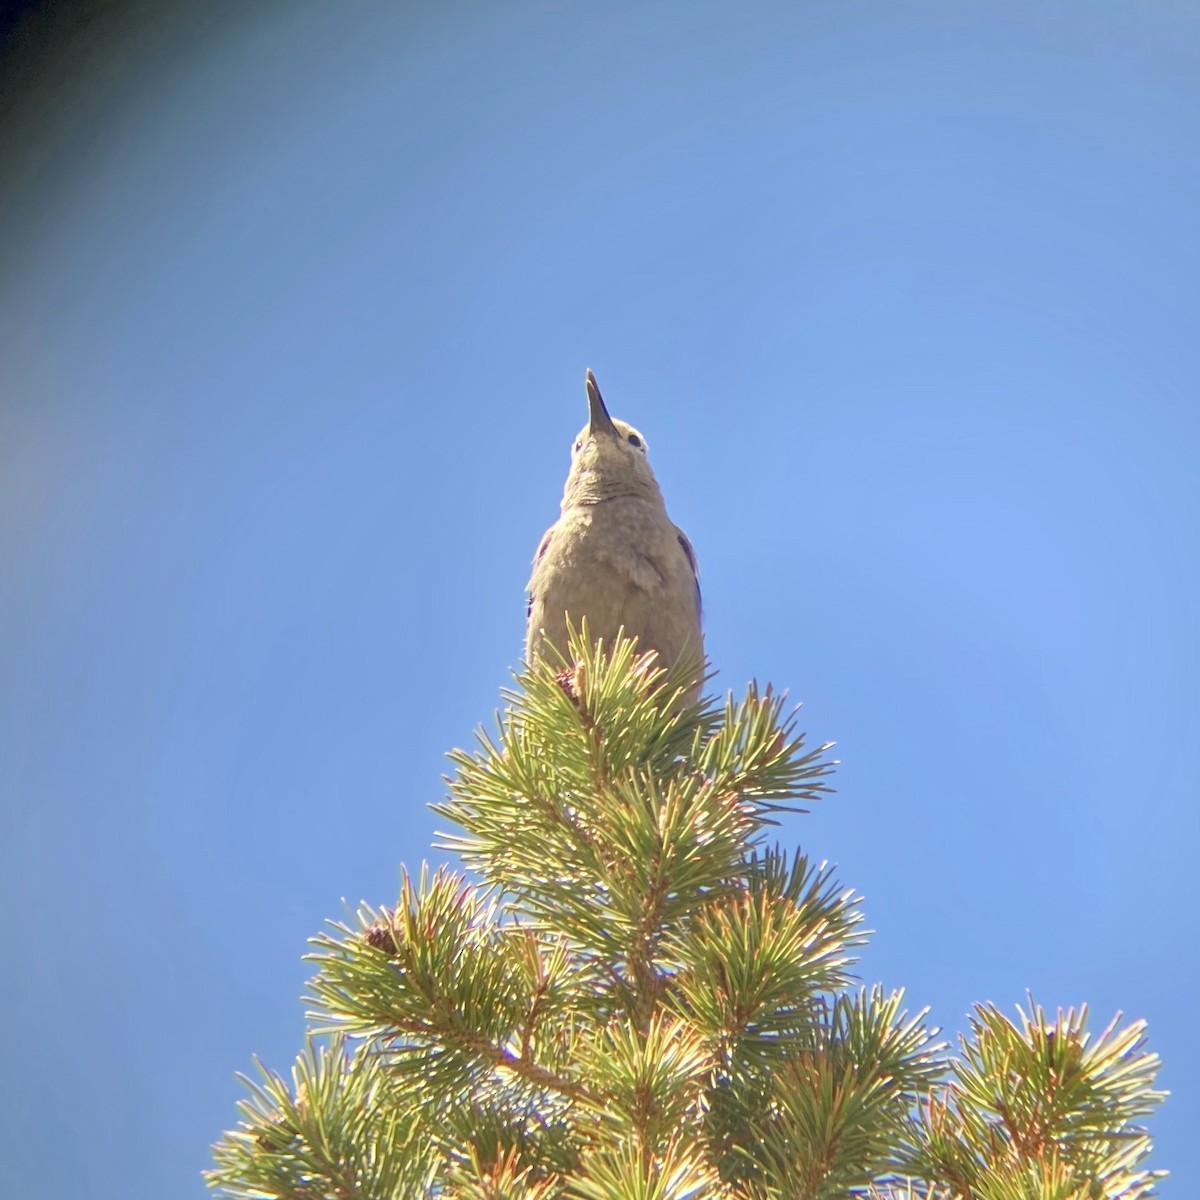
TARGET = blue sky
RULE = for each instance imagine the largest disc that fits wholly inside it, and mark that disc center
(295, 304)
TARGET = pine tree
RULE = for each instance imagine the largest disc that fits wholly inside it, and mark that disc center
(632, 995)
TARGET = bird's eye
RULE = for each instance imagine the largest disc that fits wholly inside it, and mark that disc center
(578, 446)
(634, 440)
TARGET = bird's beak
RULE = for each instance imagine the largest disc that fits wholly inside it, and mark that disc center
(598, 419)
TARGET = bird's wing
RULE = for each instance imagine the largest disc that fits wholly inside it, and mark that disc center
(543, 546)
(691, 557)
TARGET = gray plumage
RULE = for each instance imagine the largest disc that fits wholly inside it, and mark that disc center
(614, 555)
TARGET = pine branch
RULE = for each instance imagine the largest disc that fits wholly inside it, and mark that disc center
(841, 1102)
(1037, 1105)
(338, 1131)
(441, 985)
(606, 807)
(755, 962)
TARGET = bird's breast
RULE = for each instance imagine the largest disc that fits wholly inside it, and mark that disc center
(628, 538)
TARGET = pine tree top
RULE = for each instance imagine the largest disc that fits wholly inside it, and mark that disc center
(634, 994)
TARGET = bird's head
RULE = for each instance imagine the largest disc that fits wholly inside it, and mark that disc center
(608, 457)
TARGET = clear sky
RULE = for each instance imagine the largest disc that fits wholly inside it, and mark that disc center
(295, 305)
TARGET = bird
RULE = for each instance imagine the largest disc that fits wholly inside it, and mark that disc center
(614, 556)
